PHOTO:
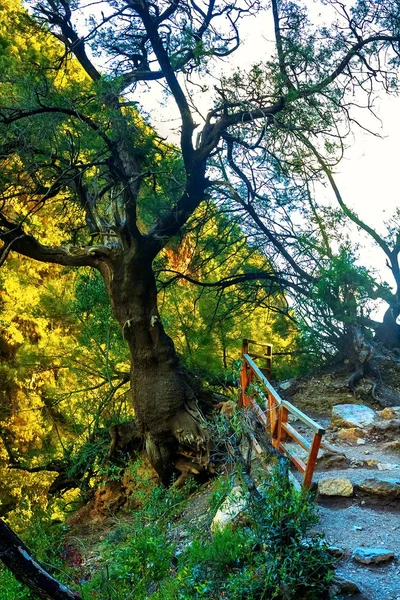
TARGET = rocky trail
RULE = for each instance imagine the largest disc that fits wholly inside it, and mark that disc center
(358, 495)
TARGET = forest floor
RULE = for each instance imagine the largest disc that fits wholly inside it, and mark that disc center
(359, 521)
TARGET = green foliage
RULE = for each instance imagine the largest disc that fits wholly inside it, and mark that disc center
(271, 557)
(342, 294)
(208, 324)
(98, 327)
(221, 488)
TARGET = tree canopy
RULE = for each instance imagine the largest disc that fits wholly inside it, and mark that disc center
(77, 151)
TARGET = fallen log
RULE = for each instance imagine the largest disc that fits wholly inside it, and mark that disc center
(17, 558)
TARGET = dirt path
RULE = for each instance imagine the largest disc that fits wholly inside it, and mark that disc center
(362, 521)
(350, 525)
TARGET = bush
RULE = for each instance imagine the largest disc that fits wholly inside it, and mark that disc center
(271, 557)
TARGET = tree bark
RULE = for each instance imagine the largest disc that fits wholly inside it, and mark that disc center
(16, 557)
(165, 403)
(388, 332)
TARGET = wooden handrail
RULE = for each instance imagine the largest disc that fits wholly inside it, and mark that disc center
(275, 418)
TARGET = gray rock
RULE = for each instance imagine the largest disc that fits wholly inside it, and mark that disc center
(285, 385)
(340, 585)
(231, 507)
(387, 428)
(333, 461)
(335, 486)
(389, 488)
(352, 415)
(335, 551)
(368, 556)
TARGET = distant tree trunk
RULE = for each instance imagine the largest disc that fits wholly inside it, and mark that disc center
(165, 403)
(388, 332)
(16, 557)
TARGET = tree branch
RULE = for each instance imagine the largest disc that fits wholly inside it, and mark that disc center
(151, 27)
(279, 47)
(71, 39)
(17, 558)
(27, 245)
(58, 109)
(231, 280)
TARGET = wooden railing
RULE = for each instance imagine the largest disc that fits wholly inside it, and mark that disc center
(274, 417)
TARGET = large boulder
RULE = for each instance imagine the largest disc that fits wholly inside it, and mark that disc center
(234, 504)
(352, 415)
(368, 556)
(335, 486)
(389, 488)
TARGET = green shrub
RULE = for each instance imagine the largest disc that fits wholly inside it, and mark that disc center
(271, 557)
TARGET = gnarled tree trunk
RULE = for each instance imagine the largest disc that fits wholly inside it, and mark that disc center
(165, 404)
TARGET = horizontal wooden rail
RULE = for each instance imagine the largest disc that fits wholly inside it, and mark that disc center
(274, 417)
(296, 436)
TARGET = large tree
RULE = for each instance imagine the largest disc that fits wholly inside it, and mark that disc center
(81, 142)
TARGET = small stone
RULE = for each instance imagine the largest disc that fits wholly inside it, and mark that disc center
(350, 434)
(285, 385)
(340, 585)
(391, 412)
(386, 466)
(335, 486)
(352, 415)
(360, 442)
(357, 528)
(369, 556)
(390, 488)
(366, 452)
(335, 551)
(333, 461)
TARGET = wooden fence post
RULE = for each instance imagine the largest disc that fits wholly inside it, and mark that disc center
(268, 361)
(244, 376)
(312, 459)
(282, 418)
(243, 400)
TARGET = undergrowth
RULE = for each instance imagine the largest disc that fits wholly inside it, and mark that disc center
(269, 556)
